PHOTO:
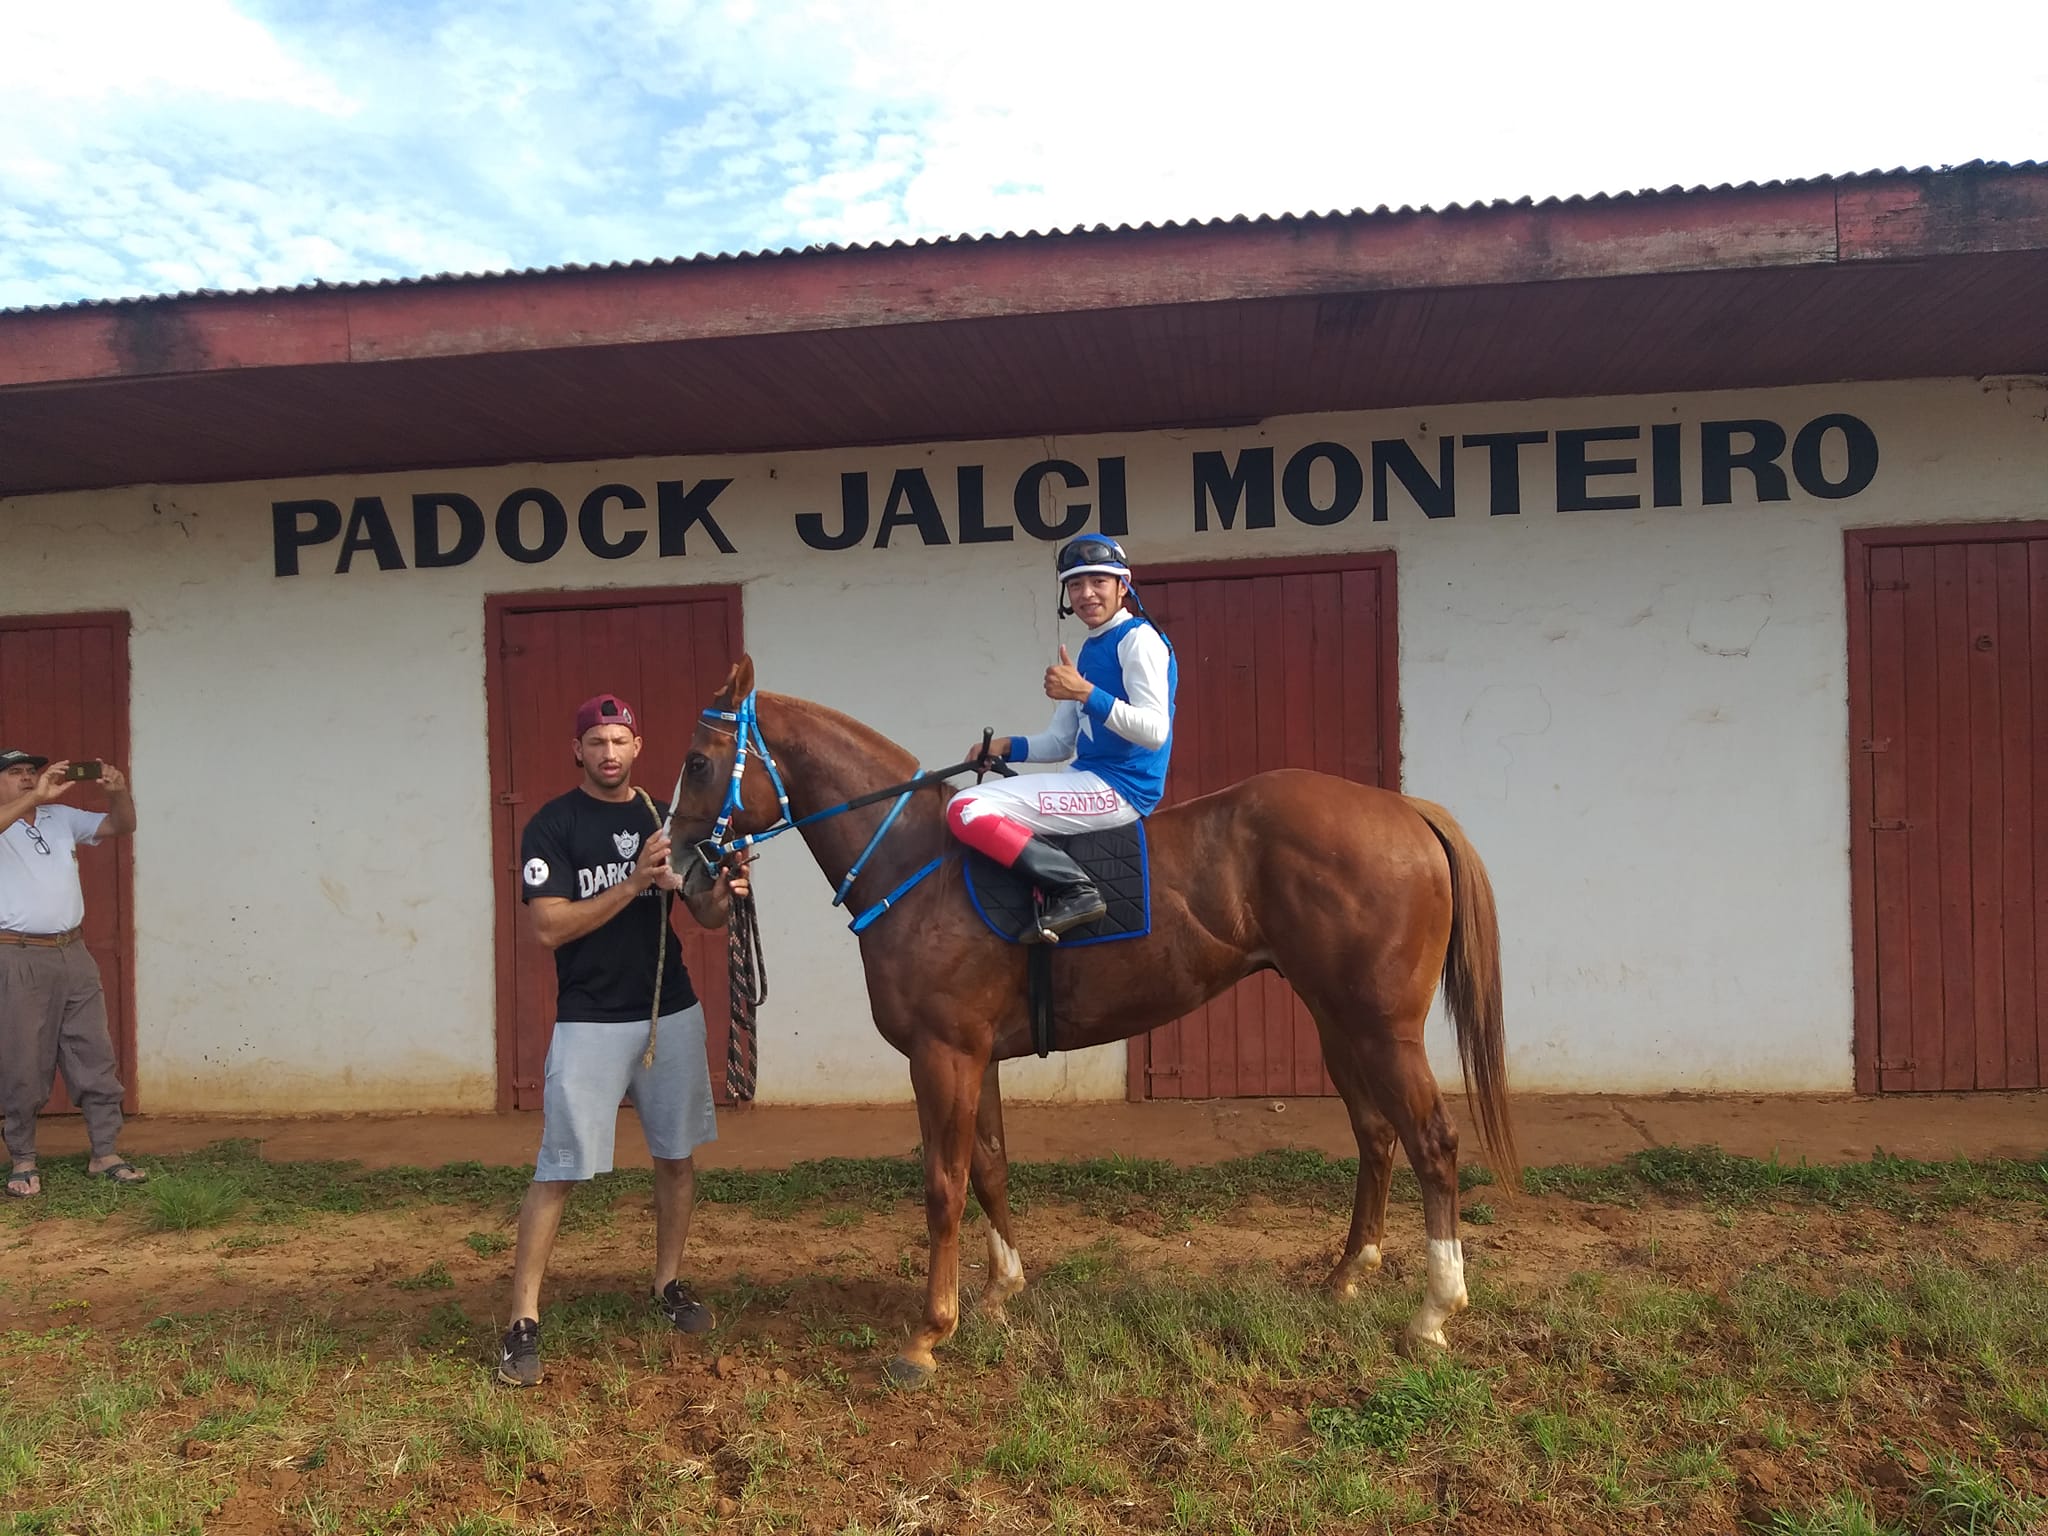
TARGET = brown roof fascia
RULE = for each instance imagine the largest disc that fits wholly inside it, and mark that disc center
(1896, 217)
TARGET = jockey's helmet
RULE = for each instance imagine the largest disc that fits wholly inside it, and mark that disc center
(1093, 554)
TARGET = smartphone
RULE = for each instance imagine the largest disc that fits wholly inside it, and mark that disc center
(85, 770)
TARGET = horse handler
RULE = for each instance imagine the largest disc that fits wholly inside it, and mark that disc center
(593, 873)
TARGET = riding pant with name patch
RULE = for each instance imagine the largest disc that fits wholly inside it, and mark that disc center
(999, 816)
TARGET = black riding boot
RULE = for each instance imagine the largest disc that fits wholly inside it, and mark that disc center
(1070, 896)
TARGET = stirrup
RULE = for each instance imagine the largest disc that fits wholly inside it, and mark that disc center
(1050, 935)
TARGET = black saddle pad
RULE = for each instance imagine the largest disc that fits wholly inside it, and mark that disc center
(1114, 858)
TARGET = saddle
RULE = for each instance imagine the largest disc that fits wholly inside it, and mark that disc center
(1115, 860)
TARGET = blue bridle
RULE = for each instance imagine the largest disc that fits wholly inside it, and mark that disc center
(715, 850)
(746, 731)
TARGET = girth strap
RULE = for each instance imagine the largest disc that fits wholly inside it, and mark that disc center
(1038, 987)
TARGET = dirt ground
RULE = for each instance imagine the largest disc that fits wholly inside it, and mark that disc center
(815, 1275)
(813, 1301)
(352, 1262)
(1586, 1128)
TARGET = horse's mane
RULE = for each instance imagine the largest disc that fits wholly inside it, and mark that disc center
(895, 761)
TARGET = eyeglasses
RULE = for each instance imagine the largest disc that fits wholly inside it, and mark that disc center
(36, 837)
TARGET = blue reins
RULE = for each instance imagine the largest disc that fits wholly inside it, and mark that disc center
(746, 727)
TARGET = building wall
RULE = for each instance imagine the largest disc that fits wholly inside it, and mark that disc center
(1638, 713)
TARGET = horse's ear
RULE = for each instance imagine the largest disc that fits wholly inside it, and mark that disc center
(739, 682)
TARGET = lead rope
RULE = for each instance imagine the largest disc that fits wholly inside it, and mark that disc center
(660, 964)
(747, 984)
(747, 988)
(660, 943)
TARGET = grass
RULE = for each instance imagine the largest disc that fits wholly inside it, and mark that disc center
(499, 1425)
(231, 1177)
(1843, 1515)
(1902, 1186)
(188, 1200)
(1416, 1398)
(434, 1277)
(1121, 1391)
(1970, 1500)
(231, 1424)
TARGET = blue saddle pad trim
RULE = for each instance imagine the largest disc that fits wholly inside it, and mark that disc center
(1118, 860)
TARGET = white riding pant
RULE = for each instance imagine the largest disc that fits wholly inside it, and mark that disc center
(1064, 802)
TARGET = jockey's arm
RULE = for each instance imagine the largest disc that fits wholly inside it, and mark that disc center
(1147, 717)
(1054, 744)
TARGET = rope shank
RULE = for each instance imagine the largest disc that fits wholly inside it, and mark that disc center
(746, 990)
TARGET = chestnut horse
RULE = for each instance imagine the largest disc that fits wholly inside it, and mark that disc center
(1361, 898)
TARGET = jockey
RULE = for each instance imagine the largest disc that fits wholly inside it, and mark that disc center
(1114, 718)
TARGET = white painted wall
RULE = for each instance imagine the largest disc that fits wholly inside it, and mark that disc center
(1639, 715)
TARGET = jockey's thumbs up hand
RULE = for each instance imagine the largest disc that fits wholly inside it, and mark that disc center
(1063, 682)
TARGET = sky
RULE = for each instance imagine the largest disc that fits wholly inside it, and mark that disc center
(159, 146)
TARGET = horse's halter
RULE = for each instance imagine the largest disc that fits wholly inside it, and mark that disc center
(745, 724)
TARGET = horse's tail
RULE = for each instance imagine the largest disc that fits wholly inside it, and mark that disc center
(1472, 991)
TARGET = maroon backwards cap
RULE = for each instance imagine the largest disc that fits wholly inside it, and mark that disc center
(605, 709)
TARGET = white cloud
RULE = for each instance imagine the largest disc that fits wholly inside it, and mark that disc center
(118, 48)
(196, 142)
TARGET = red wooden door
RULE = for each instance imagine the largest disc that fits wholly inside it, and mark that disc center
(64, 693)
(1948, 710)
(665, 652)
(1283, 664)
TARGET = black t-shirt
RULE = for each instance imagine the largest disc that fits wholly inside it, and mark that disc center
(578, 846)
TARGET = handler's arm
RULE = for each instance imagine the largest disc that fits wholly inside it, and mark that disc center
(712, 906)
(557, 920)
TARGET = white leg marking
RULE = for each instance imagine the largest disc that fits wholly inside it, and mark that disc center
(1005, 1269)
(1369, 1256)
(1445, 1293)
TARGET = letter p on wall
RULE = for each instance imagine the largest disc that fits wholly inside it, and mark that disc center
(297, 525)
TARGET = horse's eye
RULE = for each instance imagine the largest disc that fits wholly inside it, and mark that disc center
(697, 765)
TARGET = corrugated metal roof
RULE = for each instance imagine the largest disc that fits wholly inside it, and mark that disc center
(1172, 226)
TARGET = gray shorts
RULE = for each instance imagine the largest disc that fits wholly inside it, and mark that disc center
(591, 1067)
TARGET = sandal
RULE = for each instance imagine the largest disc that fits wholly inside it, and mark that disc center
(123, 1173)
(24, 1184)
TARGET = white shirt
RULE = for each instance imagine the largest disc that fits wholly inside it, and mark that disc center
(1143, 720)
(39, 892)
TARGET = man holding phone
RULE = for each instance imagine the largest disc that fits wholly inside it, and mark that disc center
(52, 1011)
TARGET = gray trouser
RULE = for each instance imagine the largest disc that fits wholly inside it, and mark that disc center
(53, 1014)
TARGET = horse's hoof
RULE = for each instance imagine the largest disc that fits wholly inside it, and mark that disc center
(997, 1297)
(1417, 1345)
(907, 1373)
(1343, 1281)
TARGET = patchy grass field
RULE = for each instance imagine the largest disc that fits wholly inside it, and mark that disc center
(1684, 1342)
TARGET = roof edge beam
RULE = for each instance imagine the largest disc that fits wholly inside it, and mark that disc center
(1891, 218)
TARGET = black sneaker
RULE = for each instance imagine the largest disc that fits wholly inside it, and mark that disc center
(519, 1354)
(683, 1309)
